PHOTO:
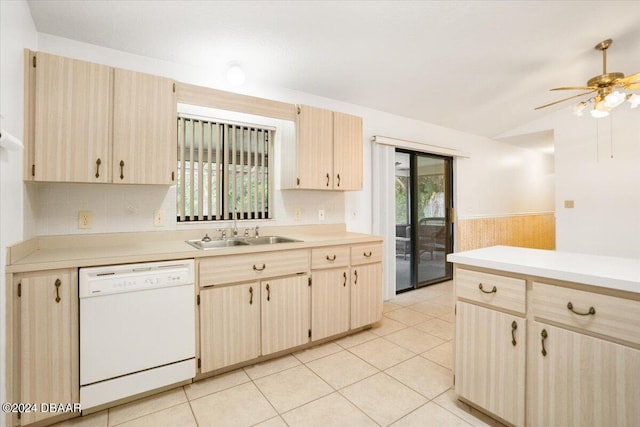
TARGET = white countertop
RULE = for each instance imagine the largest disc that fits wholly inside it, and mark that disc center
(607, 272)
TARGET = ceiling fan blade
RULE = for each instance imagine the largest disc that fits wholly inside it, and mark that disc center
(574, 88)
(630, 79)
(562, 100)
(633, 86)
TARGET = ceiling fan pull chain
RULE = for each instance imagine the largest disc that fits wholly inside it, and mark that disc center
(611, 133)
(597, 141)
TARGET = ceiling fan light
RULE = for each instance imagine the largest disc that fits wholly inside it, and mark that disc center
(634, 100)
(614, 99)
(598, 114)
(578, 109)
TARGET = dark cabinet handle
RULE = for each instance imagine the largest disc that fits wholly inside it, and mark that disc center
(98, 163)
(268, 293)
(333, 258)
(592, 311)
(328, 178)
(344, 276)
(338, 180)
(121, 169)
(492, 291)
(251, 295)
(58, 283)
(258, 268)
(356, 273)
(514, 326)
(544, 337)
(367, 254)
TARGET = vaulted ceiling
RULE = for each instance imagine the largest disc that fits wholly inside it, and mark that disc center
(476, 66)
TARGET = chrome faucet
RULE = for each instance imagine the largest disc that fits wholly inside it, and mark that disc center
(235, 224)
(257, 231)
(223, 233)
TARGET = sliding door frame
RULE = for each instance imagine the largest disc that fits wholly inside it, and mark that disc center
(413, 216)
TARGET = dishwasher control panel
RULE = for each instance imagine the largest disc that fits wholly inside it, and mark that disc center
(134, 277)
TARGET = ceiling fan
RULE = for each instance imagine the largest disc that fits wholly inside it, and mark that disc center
(605, 88)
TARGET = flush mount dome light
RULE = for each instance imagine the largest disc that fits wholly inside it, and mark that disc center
(235, 75)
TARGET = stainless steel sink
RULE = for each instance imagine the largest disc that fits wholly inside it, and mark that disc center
(215, 244)
(206, 244)
(269, 240)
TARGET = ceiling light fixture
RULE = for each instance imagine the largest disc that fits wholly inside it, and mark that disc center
(235, 75)
(609, 89)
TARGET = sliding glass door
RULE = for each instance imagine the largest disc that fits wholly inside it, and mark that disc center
(423, 188)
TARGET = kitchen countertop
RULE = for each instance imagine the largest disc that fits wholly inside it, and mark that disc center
(44, 253)
(608, 272)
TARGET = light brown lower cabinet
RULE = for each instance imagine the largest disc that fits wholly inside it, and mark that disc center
(490, 360)
(229, 325)
(330, 302)
(49, 337)
(366, 294)
(579, 380)
(240, 322)
(285, 313)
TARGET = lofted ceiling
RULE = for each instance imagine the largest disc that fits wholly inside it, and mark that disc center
(476, 66)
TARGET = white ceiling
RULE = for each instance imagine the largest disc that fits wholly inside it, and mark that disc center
(475, 66)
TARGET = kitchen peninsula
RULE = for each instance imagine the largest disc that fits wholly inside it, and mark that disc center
(548, 338)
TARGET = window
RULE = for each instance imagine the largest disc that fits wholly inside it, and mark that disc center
(223, 170)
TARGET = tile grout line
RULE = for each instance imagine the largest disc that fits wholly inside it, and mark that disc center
(191, 408)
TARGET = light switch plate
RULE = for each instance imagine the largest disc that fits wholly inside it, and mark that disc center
(297, 214)
(158, 218)
(85, 219)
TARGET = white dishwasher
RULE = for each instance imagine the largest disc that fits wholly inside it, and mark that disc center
(137, 329)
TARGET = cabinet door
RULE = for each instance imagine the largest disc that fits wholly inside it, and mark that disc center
(229, 325)
(366, 294)
(329, 302)
(285, 313)
(49, 340)
(314, 129)
(581, 381)
(489, 367)
(144, 129)
(72, 120)
(347, 151)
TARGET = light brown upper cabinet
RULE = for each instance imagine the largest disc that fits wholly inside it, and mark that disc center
(70, 103)
(327, 154)
(87, 122)
(144, 129)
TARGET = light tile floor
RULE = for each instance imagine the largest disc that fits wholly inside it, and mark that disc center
(397, 373)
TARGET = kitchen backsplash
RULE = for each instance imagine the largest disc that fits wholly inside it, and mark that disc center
(124, 208)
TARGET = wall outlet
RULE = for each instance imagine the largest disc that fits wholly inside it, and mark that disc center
(569, 204)
(85, 219)
(297, 214)
(158, 218)
(321, 214)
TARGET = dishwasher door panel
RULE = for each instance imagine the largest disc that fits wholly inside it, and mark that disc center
(134, 331)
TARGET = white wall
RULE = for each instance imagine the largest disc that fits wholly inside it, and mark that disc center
(17, 31)
(597, 166)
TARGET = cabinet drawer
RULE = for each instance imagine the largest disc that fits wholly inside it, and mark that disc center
(366, 254)
(241, 268)
(503, 292)
(611, 316)
(329, 257)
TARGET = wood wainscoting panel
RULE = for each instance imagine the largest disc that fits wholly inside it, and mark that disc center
(528, 231)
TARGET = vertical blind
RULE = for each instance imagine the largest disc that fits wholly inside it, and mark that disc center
(223, 170)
